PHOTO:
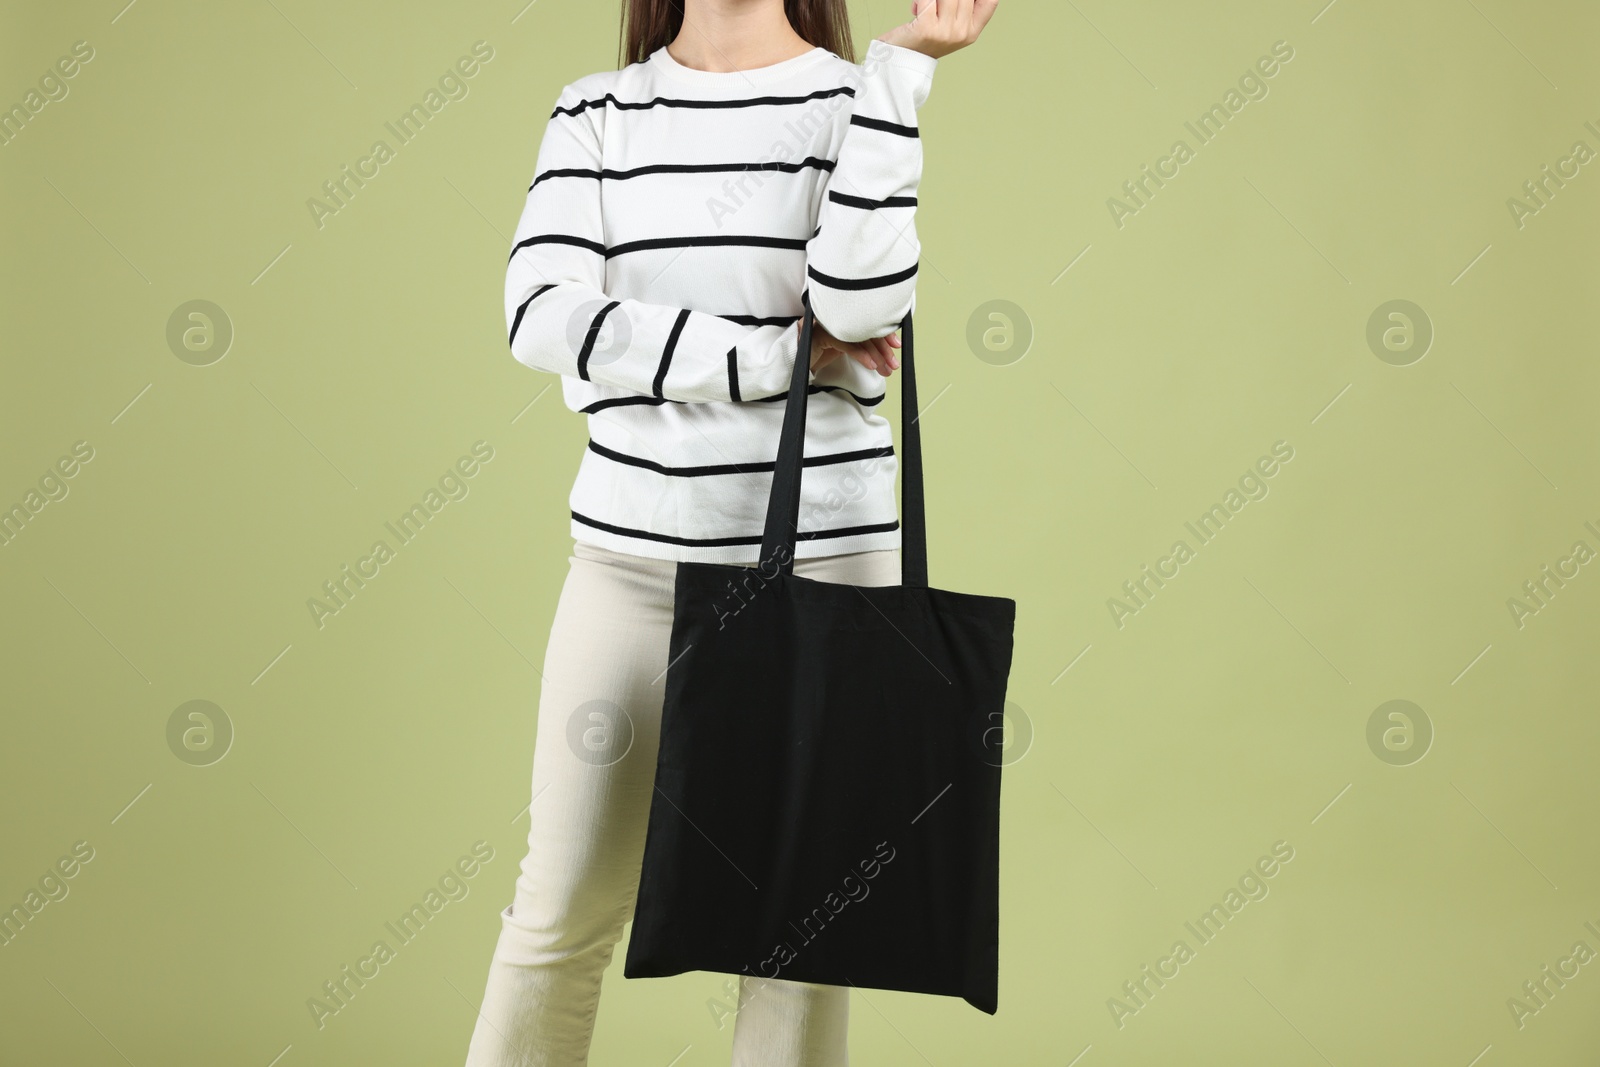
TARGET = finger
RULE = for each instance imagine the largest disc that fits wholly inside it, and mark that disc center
(877, 367)
(885, 351)
(983, 11)
(880, 363)
(964, 21)
(868, 358)
(885, 354)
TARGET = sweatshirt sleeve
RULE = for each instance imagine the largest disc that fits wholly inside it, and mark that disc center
(862, 264)
(561, 320)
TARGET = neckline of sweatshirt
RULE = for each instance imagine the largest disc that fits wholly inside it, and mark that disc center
(663, 62)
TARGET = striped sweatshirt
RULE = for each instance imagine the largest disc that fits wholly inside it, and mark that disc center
(675, 218)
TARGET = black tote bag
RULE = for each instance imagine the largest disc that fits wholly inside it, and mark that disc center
(827, 790)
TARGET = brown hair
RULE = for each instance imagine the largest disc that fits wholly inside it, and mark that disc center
(649, 24)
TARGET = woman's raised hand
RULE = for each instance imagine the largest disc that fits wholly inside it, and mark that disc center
(939, 27)
(875, 353)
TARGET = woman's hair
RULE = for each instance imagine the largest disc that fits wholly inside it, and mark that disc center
(649, 24)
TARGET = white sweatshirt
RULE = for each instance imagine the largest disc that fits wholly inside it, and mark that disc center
(674, 218)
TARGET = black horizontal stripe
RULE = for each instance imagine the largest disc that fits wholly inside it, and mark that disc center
(522, 308)
(655, 401)
(886, 127)
(710, 542)
(862, 283)
(762, 320)
(707, 241)
(623, 401)
(662, 101)
(557, 239)
(723, 240)
(864, 401)
(860, 201)
(684, 168)
(710, 469)
(565, 172)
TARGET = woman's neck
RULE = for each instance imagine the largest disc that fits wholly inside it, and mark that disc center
(730, 35)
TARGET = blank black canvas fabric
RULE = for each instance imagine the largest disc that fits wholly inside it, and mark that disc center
(827, 803)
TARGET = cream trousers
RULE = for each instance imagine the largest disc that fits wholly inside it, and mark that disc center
(593, 776)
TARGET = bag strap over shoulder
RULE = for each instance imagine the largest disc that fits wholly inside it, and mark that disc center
(783, 505)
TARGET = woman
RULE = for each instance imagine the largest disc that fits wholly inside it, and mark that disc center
(681, 209)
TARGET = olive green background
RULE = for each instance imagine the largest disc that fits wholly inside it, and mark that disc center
(1152, 763)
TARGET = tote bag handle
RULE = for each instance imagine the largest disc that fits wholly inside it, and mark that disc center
(783, 505)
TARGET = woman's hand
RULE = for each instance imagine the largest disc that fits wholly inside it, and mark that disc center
(939, 27)
(876, 353)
